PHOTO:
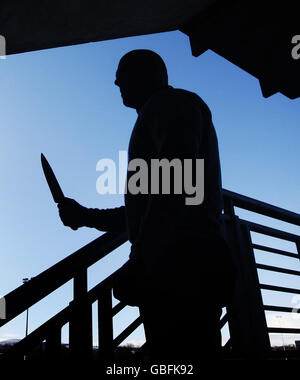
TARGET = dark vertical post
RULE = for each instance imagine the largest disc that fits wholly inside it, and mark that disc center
(298, 247)
(228, 206)
(247, 323)
(80, 326)
(26, 328)
(53, 344)
(105, 325)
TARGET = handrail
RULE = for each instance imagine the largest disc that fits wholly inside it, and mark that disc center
(239, 235)
(62, 318)
(255, 227)
(39, 334)
(275, 250)
(279, 308)
(45, 283)
(263, 208)
(279, 288)
(75, 266)
(284, 330)
(278, 269)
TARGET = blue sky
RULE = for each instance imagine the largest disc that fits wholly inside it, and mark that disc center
(63, 102)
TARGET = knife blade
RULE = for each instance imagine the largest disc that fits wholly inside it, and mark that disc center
(53, 184)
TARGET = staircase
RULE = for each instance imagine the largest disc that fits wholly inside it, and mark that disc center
(249, 333)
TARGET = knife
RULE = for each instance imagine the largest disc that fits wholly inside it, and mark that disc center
(53, 184)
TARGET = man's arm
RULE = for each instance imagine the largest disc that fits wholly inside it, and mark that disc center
(75, 215)
(112, 219)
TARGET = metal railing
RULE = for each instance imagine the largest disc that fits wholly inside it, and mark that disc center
(249, 333)
(245, 315)
(78, 314)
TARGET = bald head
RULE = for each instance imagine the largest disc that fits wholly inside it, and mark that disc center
(140, 73)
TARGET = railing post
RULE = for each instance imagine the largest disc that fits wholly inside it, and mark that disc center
(53, 344)
(228, 206)
(298, 247)
(105, 325)
(80, 327)
(247, 322)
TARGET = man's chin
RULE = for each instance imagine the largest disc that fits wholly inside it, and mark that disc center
(127, 103)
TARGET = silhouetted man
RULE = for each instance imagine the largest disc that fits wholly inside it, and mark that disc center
(179, 271)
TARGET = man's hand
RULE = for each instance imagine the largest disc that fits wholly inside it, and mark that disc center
(72, 213)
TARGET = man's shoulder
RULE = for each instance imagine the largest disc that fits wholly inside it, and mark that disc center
(171, 94)
(171, 98)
